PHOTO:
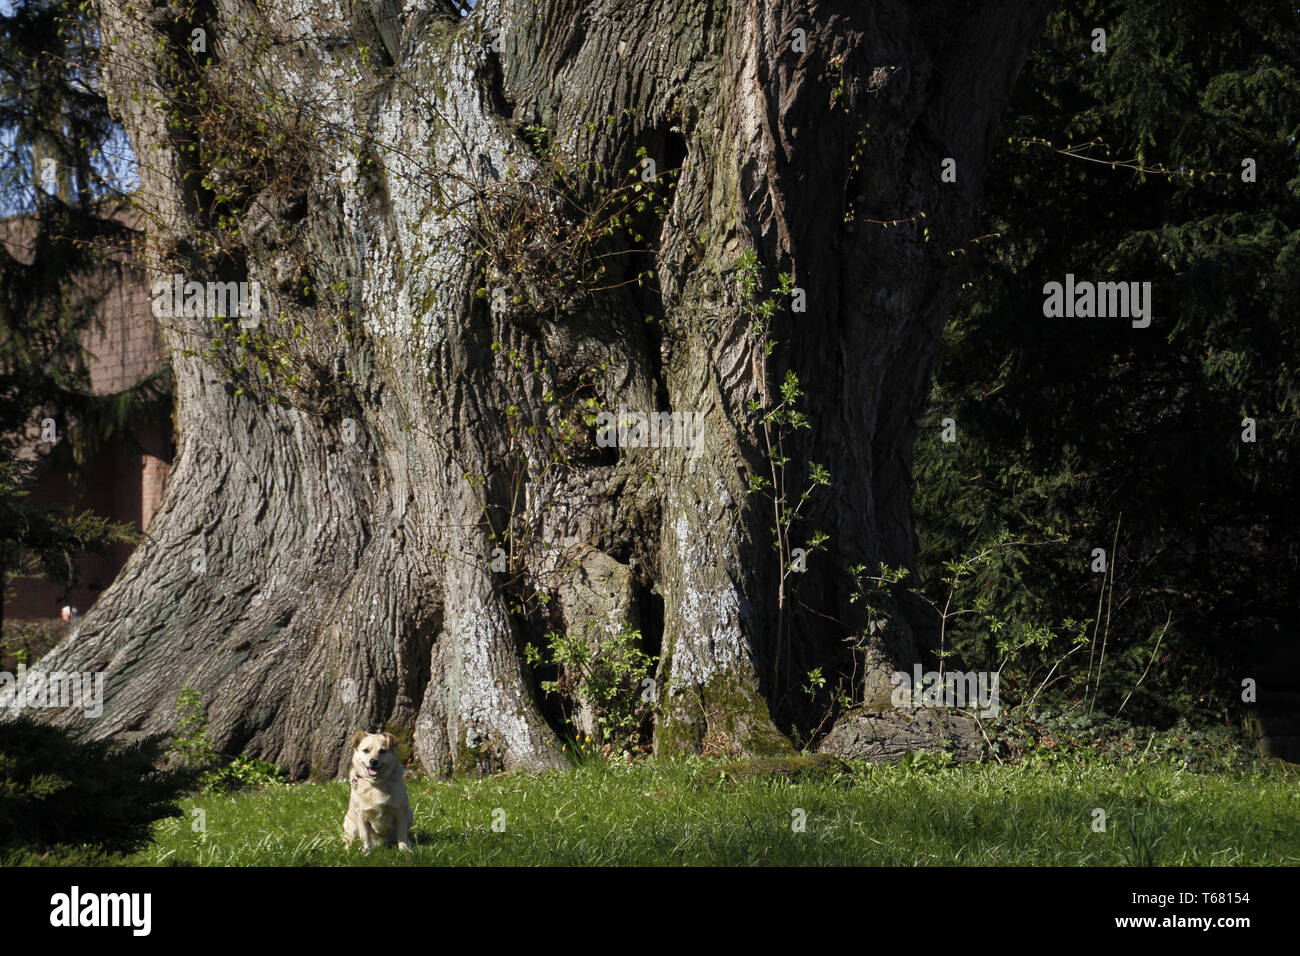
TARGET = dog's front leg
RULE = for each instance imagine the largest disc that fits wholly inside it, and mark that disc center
(369, 833)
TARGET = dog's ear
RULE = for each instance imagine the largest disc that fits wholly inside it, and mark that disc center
(391, 741)
(359, 736)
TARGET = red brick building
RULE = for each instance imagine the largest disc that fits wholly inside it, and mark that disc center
(125, 478)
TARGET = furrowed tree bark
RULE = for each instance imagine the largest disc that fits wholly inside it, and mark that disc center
(325, 557)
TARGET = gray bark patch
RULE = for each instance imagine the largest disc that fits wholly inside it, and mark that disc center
(885, 736)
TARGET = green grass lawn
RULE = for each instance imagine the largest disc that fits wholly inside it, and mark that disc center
(712, 813)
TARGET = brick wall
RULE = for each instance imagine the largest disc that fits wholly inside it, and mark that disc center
(155, 466)
(127, 478)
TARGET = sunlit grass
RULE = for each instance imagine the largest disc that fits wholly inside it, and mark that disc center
(683, 813)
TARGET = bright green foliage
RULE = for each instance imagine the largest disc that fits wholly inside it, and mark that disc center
(776, 420)
(607, 671)
(190, 742)
(191, 747)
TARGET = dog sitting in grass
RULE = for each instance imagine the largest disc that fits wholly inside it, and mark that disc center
(378, 811)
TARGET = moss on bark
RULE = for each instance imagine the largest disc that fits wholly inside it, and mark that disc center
(726, 716)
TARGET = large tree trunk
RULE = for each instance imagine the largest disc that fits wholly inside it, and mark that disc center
(347, 513)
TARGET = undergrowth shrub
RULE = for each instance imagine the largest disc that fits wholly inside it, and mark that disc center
(214, 771)
(610, 673)
(93, 794)
(1050, 738)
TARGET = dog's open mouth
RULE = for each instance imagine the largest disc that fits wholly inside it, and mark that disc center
(372, 771)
